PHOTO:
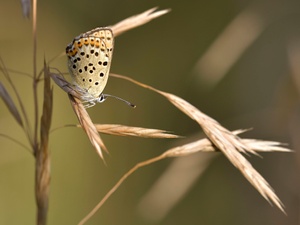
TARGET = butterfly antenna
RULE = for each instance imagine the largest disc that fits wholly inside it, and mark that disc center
(104, 96)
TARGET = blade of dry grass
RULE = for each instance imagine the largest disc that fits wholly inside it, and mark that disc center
(87, 125)
(137, 20)
(230, 144)
(205, 145)
(121, 130)
(183, 172)
(10, 104)
(265, 146)
(202, 145)
(43, 155)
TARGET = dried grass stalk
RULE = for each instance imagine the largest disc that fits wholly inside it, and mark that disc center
(265, 146)
(137, 20)
(218, 137)
(117, 185)
(42, 154)
(230, 144)
(87, 125)
(202, 145)
(205, 145)
(121, 130)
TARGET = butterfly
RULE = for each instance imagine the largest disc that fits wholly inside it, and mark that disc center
(89, 61)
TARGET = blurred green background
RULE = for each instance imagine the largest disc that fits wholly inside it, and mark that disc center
(236, 61)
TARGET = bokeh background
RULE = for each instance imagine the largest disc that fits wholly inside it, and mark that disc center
(237, 61)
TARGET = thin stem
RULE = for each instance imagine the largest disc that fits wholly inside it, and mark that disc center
(34, 37)
(35, 80)
(117, 185)
(16, 141)
(17, 72)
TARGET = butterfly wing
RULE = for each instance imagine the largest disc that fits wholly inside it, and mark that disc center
(89, 60)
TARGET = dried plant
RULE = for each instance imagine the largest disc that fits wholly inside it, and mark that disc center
(218, 137)
(38, 134)
(78, 107)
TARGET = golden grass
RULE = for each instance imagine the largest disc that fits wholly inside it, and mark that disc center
(87, 125)
(218, 138)
(121, 130)
(137, 20)
(43, 155)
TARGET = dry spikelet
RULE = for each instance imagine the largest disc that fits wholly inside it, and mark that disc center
(183, 172)
(121, 130)
(264, 146)
(205, 145)
(226, 141)
(87, 125)
(230, 145)
(137, 20)
(43, 154)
